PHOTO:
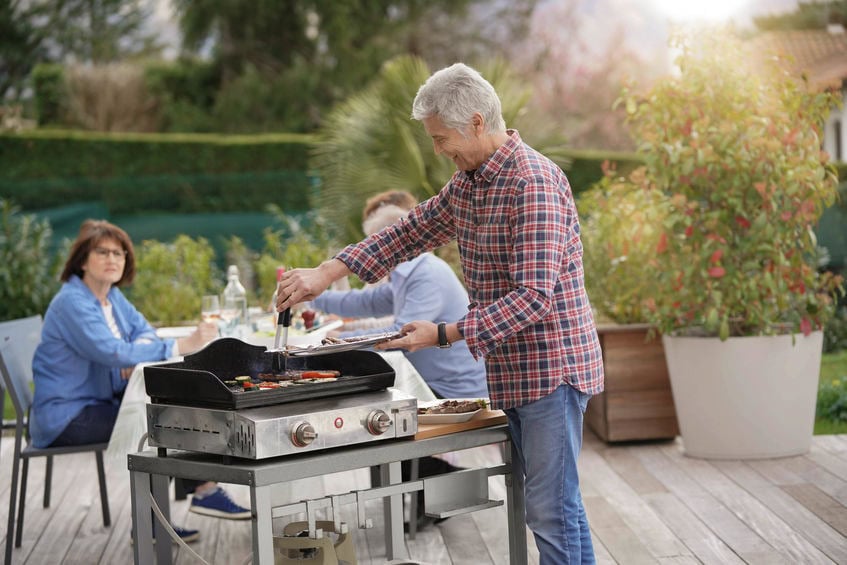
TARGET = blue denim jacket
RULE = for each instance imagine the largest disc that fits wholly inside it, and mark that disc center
(78, 361)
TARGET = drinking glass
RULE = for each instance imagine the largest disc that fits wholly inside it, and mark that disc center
(210, 308)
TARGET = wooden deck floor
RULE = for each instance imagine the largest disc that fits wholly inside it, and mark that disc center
(646, 503)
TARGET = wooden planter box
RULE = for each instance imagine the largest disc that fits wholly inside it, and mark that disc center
(637, 403)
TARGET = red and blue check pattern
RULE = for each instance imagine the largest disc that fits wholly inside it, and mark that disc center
(518, 234)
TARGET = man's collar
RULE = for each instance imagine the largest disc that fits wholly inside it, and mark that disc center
(492, 166)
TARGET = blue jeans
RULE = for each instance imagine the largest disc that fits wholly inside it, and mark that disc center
(548, 436)
(93, 425)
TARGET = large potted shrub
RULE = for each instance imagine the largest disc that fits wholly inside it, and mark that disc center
(732, 142)
(621, 219)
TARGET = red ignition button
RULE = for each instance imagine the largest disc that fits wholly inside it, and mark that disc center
(339, 422)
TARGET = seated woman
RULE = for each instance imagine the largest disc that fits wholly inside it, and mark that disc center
(91, 339)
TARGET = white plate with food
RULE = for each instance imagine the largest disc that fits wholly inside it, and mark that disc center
(336, 345)
(450, 411)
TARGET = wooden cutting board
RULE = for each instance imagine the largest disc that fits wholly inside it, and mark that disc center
(481, 419)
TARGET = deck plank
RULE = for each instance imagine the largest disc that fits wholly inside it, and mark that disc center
(814, 474)
(646, 502)
(619, 540)
(816, 529)
(828, 510)
(705, 547)
(728, 528)
(769, 526)
(633, 510)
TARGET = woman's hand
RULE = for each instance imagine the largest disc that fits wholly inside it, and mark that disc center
(205, 332)
(126, 372)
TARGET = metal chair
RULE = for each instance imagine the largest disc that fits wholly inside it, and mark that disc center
(17, 343)
(32, 326)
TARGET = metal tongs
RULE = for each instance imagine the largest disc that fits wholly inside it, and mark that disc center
(283, 322)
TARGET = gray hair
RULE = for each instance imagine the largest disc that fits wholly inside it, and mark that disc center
(383, 217)
(454, 94)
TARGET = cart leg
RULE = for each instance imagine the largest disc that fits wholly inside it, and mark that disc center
(142, 524)
(159, 488)
(263, 547)
(392, 506)
(516, 506)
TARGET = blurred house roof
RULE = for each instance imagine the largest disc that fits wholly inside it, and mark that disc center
(820, 54)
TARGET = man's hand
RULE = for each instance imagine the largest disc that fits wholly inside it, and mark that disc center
(301, 285)
(126, 372)
(419, 335)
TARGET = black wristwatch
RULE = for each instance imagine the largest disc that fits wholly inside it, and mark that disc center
(442, 336)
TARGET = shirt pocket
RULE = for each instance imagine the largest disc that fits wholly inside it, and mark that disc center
(494, 240)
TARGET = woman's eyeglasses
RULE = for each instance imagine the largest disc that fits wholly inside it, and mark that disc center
(104, 253)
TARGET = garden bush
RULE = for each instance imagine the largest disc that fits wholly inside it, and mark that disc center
(171, 278)
(832, 400)
(27, 269)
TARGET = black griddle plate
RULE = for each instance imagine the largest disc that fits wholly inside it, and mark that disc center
(198, 380)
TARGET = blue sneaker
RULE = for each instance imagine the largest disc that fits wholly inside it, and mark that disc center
(218, 504)
(184, 534)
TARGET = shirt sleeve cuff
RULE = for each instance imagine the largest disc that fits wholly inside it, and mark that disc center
(466, 327)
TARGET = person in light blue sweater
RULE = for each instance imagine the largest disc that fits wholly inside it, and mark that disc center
(425, 288)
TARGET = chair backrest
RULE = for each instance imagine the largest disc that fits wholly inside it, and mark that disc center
(18, 340)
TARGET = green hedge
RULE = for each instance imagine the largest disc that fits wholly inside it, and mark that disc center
(190, 173)
(156, 172)
(586, 166)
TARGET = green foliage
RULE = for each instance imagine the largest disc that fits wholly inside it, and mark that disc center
(807, 15)
(620, 220)
(99, 31)
(48, 82)
(132, 172)
(300, 244)
(311, 53)
(832, 400)
(27, 282)
(256, 103)
(835, 332)
(736, 153)
(584, 168)
(171, 278)
(185, 92)
(22, 47)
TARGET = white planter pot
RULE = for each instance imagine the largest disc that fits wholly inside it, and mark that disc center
(746, 397)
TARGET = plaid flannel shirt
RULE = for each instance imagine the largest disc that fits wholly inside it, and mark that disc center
(518, 234)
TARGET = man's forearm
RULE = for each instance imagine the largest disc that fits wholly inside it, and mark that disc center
(334, 269)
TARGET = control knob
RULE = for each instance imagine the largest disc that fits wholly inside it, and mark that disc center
(378, 422)
(303, 434)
